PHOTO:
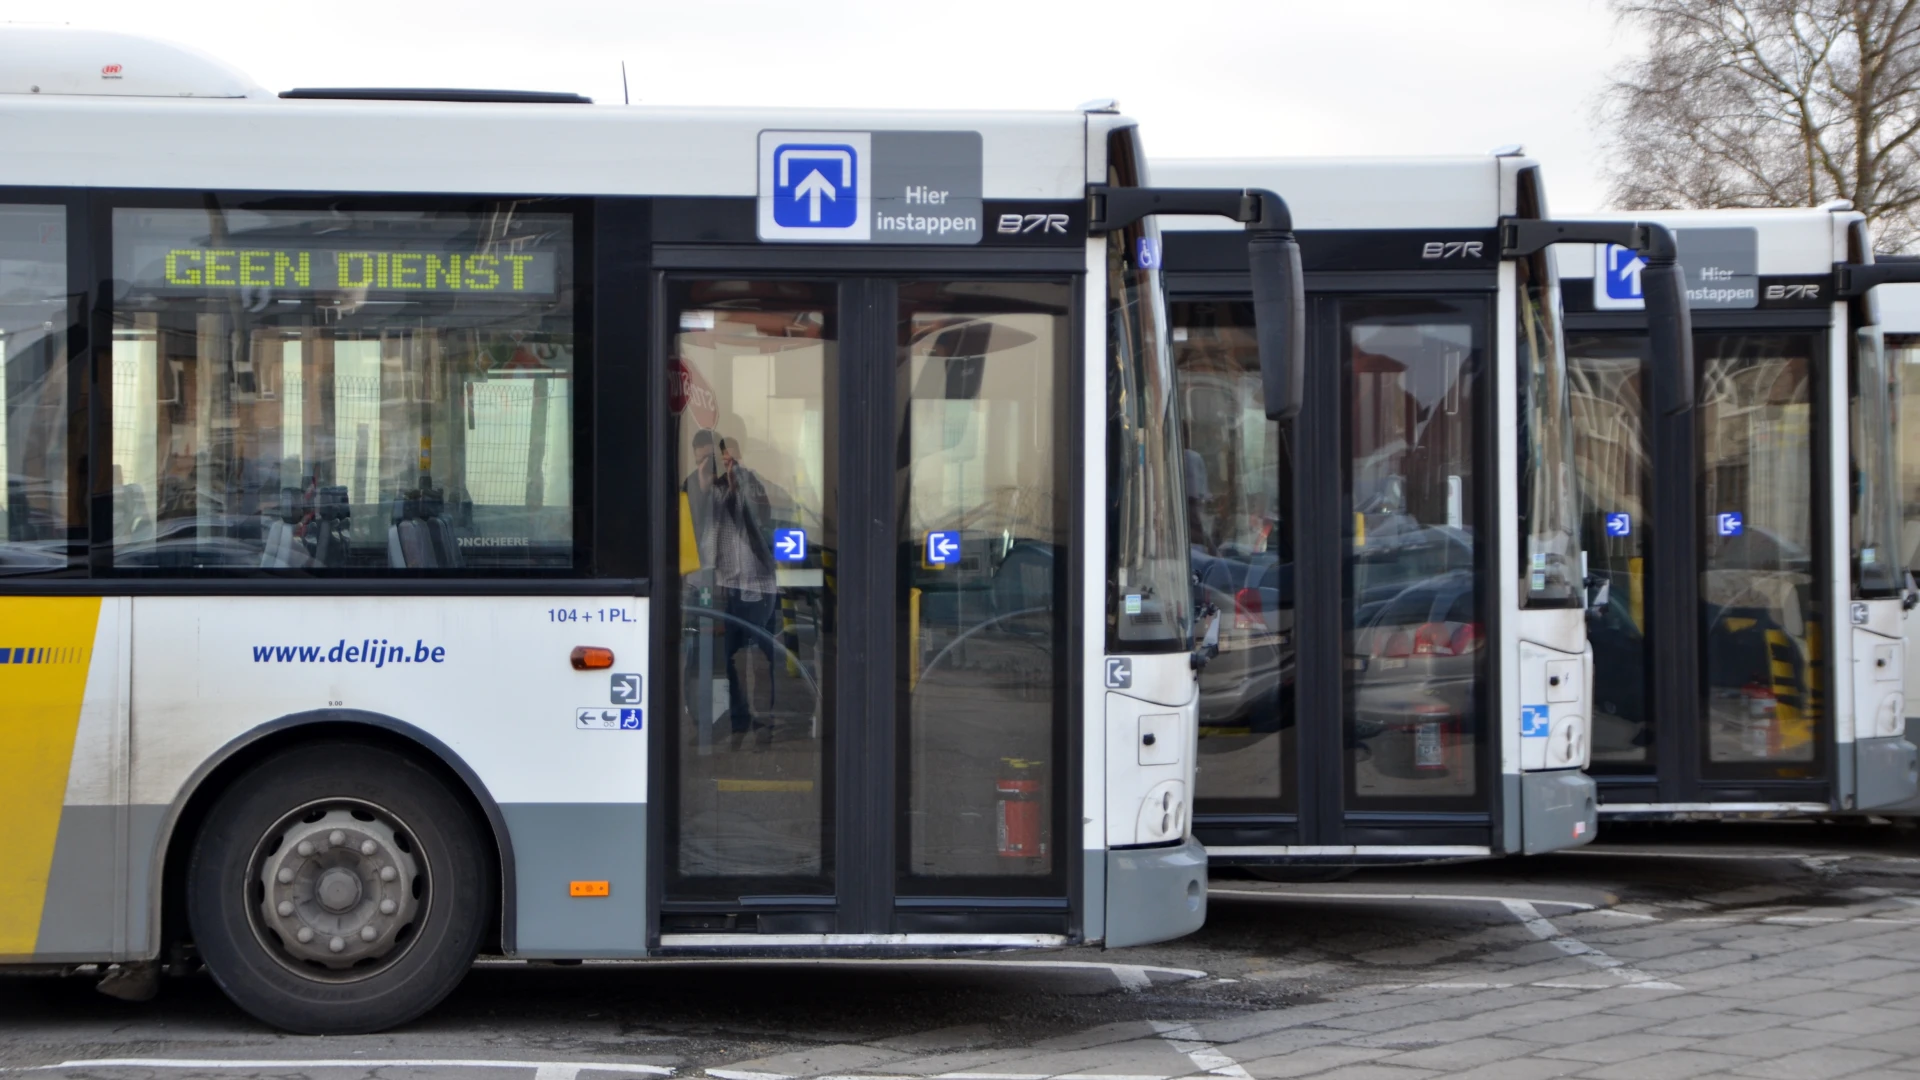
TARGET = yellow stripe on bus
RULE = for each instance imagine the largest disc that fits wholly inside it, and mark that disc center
(48, 642)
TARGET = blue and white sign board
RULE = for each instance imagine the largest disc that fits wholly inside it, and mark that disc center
(880, 187)
(1731, 523)
(593, 718)
(1619, 524)
(790, 545)
(1616, 278)
(943, 547)
(1534, 722)
(816, 185)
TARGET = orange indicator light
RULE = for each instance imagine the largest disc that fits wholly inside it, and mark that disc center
(587, 888)
(591, 657)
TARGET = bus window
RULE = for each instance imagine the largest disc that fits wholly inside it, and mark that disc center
(1759, 594)
(1877, 569)
(981, 395)
(1903, 363)
(1238, 487)
(343, 391)
(37, 403)
(1616, 484)
(1416, 632)
(1148, 609)
(1549, 511)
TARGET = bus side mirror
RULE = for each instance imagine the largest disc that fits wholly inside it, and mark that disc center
(1280, 319)
(1669, 331)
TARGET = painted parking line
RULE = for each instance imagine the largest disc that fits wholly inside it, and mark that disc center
(1205, 1056)
(1132, 978)
(1477, 898)
(1538, 925)
(542, 1070)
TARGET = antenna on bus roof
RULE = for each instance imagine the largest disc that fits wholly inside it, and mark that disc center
(625, 99)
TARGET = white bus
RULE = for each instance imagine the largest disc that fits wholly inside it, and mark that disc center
(445, 522)
(1750, 662)
(1898, 306)
(1402, 673)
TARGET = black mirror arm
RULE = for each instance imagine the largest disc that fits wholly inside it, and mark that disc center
(1111, 209)
(1853, 280)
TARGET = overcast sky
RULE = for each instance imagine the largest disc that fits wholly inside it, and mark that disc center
(1204, 77)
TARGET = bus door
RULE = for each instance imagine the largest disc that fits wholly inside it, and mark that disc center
(1409, 759)
(865, 648)
(1734, 704)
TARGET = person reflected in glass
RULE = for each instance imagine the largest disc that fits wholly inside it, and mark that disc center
(732, 518)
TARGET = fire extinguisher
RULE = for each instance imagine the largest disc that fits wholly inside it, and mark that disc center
(1018, 810)
(1763, 721)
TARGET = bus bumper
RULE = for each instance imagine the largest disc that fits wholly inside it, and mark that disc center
(1155, 894)
(1558, 810)
(1884, 774)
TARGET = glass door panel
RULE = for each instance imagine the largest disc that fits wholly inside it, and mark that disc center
(1611, 453)
(1415, 641)
(1761, 614)
(981, 550)
(1238, 471)
(754, 367)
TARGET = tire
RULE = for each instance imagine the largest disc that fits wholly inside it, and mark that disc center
(346, 948)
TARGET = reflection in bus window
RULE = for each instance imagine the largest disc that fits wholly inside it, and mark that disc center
(1874, 426)
(981, 388)
(38, 528)
(756, 362)
(1415, 635)
(1760, 602)
(1903, 363)
(1549, 511)
(342, 391)
(1615, 483)
(1237, 480)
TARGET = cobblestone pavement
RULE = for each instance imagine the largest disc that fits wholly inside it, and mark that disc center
(1764, 952)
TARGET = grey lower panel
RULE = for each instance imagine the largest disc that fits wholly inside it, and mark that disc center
(99, 902)
(1558, 810)
(1155, 894)
(1886, 774)
(1093, 894)
(1512, 836)
(556, 844)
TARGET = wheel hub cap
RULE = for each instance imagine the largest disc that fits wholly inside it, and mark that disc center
(339, 890)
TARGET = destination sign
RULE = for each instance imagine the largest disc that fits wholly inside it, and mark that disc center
(171, 253)
(305, 271)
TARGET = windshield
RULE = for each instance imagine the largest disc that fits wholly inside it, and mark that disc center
(1147, 559)
(1549, 512)
(1875, 502)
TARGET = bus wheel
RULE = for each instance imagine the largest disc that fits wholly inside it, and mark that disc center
(338, 888)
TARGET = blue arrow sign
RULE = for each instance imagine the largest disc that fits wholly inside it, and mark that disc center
(790, 545)
(1535, 722)
(1619, 524)
(815, 185)
(1731, 523)
(1623, 273)
(942, 547)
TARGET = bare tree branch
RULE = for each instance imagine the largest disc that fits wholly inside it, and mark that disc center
(1771, 102)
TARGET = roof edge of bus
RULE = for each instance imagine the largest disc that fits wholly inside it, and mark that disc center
(425, 93)
(64, 61)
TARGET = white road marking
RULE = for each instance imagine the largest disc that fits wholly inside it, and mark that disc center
(1129, 975)
(542, 1070)
(1132, 979)
(1539, 927)
(1573, 905)
(1205, 1056)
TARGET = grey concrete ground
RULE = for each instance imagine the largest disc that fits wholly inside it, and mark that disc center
(1769, 953)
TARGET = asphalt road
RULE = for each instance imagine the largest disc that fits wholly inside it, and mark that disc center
(1761, 951)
